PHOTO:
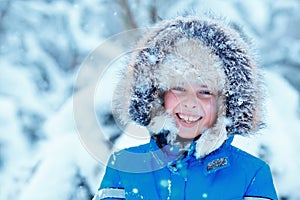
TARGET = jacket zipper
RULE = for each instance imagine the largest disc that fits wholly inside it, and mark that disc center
(185, 181)
(186, 178)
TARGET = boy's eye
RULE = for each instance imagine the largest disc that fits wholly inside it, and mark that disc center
(178, 89)
(205, 93)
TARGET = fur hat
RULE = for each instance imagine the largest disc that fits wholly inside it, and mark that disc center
(200, 50)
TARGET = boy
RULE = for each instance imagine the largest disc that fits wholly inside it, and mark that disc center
(194, 86)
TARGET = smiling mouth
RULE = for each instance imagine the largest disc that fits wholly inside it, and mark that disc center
(188, 118)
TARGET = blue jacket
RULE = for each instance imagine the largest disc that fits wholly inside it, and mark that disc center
(148, 172)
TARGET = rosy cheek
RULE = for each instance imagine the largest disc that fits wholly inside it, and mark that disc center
(211, 111)
(170, 101)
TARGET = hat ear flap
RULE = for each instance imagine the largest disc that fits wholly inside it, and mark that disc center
(141, 104)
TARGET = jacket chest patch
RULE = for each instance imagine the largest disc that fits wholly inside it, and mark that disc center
(216, 164)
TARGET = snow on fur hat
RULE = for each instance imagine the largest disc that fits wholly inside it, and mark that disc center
(198, 49)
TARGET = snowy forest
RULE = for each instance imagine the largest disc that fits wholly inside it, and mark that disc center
(59, 66)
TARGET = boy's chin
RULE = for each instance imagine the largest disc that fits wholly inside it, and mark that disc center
(186, 139)
(185, 133)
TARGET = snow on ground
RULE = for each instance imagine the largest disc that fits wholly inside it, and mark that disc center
(35, 93)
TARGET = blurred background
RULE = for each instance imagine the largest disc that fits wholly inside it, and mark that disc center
(42, 47)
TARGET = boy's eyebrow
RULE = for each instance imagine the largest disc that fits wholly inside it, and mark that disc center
(186, 84)
(205, 86)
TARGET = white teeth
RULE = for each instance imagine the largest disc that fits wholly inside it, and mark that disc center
(188, 119)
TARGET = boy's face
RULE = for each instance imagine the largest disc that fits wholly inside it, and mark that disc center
(194, 108)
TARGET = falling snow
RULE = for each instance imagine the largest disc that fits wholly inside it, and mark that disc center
(43, 44)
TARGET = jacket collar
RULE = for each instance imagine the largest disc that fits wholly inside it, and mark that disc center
(176, 159)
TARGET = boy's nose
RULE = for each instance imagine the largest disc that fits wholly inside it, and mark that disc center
(188, 105)
(190, 102)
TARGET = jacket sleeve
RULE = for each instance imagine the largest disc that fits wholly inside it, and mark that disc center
(110, 187)
(261, 185)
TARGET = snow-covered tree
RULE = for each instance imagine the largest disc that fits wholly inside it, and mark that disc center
(43, 46)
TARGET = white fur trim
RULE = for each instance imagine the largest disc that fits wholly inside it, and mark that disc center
(110, 193)
(162, 122)
(255, 198)
(189, 62)
(212, 138)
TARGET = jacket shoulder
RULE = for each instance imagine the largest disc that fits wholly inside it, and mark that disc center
(259, 174)
(135, 149)
(240, 154)
(126, 160)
